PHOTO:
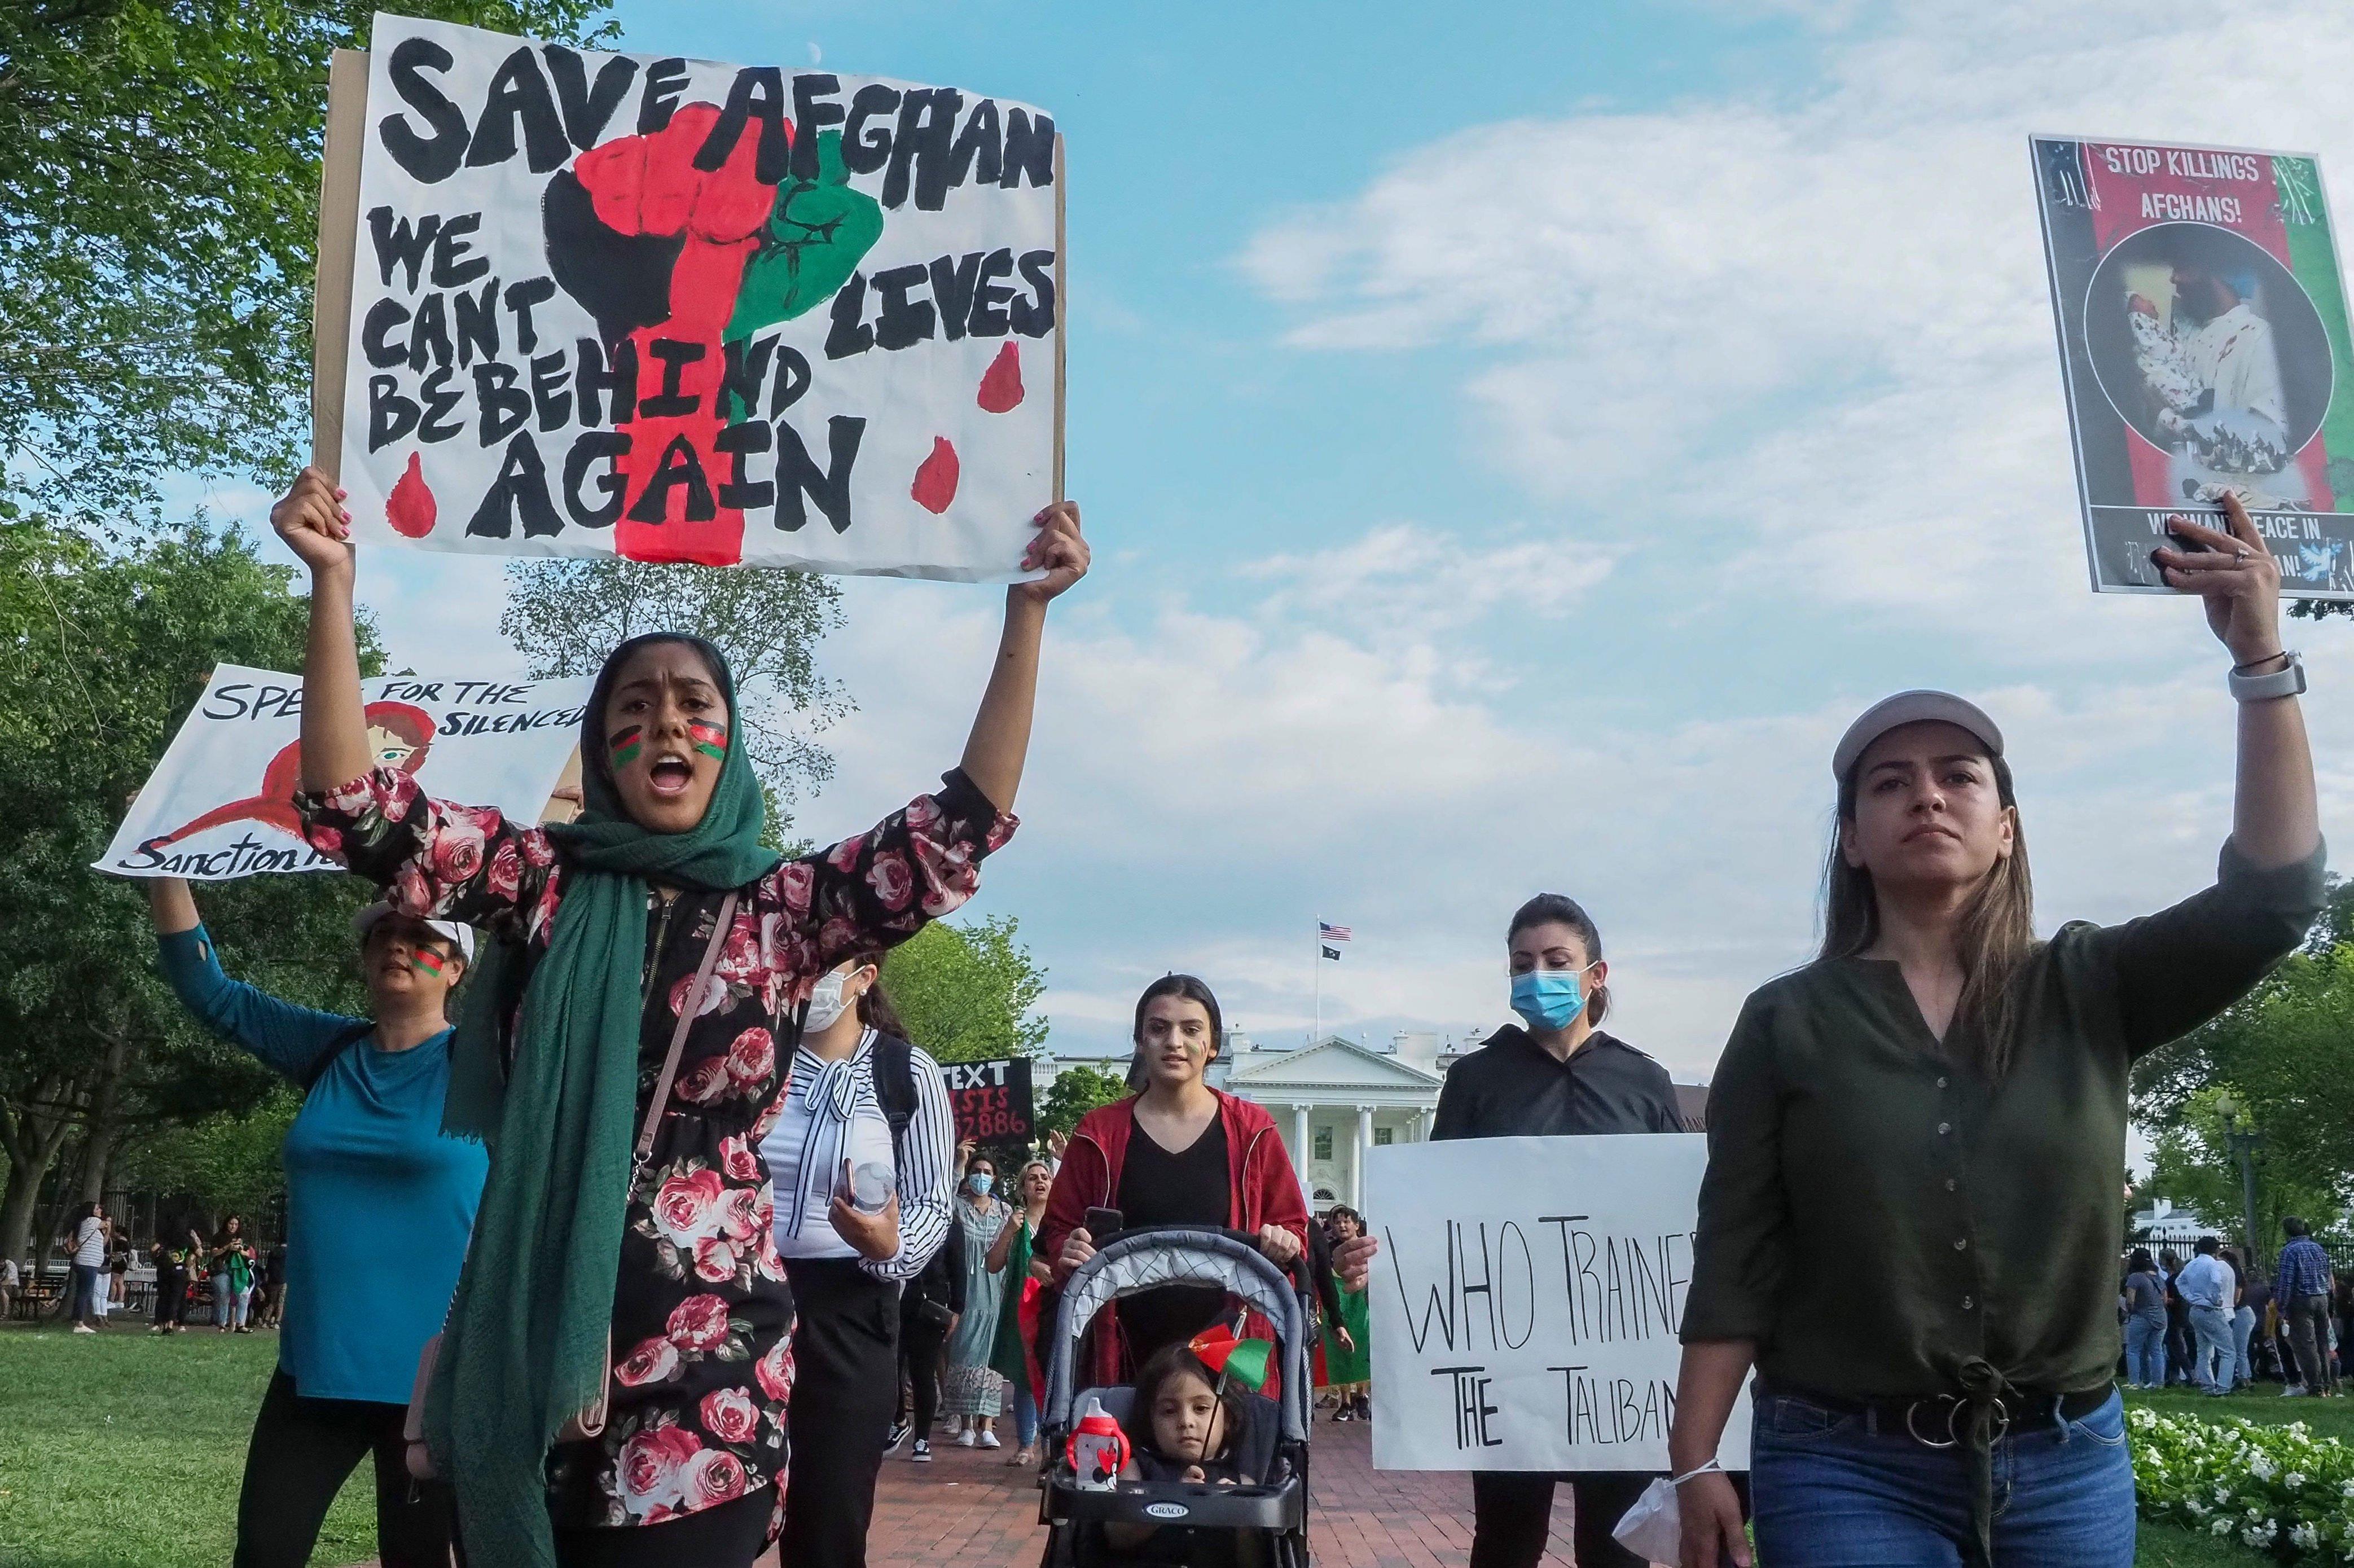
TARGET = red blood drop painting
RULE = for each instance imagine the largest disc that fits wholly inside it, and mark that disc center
(1001, 385)
(409, 508)
(936, 481)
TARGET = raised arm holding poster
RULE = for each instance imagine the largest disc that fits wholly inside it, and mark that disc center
(221, 803)
(1526, 1301)
(676, 311)
(2205, 341)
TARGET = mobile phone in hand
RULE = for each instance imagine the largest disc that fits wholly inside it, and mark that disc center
(1104, 1224)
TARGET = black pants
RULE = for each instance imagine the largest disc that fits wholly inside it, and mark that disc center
(845, 1382)
(728, 1536)
(920, 1344)
(171, 1286)
(1512, 1510)
(302, 1452)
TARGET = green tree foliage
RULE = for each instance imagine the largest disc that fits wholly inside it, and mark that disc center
(2284, 1056)
(159, 178)
(966, 992)
(226, 1162)
(101, 653)
(565, 616)
(1077, 1090)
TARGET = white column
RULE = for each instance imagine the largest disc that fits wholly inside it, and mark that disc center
(1300, 1150)
(1364, 1145)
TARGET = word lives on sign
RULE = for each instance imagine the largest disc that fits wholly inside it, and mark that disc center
(2203, 340)
(580, 303)
(990, 1100)
(1527, 1298)
(221, 802)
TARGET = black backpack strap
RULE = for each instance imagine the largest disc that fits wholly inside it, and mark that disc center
(360, 1029)
(894, 1062)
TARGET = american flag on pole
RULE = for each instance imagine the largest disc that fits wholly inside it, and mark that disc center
(1332, 933)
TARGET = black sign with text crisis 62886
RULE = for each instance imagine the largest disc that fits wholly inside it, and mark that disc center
(991, 1099)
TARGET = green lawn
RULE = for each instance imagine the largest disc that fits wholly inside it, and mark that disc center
(125, 1451)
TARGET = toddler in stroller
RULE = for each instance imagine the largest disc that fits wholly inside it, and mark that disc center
(1219, 1476)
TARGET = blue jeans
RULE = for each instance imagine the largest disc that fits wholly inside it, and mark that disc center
(2145, 1350)
(1830, 1493)
(2243, 1325)
(1025, 1418)
(2210, 1367)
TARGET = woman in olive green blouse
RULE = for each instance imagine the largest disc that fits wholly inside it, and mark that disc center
(1910, 1224)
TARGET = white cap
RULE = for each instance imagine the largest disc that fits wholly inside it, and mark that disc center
(366, 921)
(1912, 707)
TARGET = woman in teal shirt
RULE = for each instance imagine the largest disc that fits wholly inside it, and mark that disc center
(380, 1205)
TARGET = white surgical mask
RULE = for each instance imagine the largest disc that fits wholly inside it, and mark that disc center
(826, 1001)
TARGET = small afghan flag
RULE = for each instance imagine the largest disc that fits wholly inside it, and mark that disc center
(626, 744)
(1245, 1361)
(709, 738)
(426, 961)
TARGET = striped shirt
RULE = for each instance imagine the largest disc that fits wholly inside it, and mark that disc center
(830, 1113)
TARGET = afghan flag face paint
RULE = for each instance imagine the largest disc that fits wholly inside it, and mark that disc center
(428, 962)
(709, 738)
(625, 745)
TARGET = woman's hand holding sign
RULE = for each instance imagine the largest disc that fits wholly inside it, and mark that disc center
(2235, 574)
(2276, 819)
(312, 520)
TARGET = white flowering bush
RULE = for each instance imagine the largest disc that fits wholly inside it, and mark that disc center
(2278, 1489)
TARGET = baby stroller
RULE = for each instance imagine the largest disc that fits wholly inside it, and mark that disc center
(1262, 1523)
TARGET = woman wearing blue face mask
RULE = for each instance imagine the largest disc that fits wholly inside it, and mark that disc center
(1555, 1075)
(975, 1391)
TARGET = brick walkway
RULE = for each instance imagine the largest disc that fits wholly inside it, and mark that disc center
(967, 1510)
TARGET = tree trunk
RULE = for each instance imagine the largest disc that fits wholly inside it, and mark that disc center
(31, 1138)
(105, 1124)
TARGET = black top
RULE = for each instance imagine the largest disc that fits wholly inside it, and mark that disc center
(1887, 1223)
(1514, 1087)
(942, 1279)
(1191, 1187)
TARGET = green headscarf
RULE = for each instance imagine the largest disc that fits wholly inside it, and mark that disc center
(526, 1345)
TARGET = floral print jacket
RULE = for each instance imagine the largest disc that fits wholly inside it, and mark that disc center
(702, 1314)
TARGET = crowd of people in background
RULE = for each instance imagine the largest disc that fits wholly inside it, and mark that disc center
(2211, 1323)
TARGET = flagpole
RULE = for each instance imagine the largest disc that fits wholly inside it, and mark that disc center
(1318, 1031)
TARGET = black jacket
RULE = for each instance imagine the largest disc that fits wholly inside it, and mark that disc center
(943, 1278)
(1512, 1088)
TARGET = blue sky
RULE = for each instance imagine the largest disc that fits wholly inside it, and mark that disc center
(1516, 440)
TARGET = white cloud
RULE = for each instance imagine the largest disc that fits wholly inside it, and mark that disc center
(1807, 339)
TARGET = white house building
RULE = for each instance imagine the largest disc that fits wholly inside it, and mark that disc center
(1337, 1099)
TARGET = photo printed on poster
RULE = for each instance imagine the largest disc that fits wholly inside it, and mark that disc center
(2203, 338)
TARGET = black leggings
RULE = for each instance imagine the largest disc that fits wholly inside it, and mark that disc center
(728, 1536)
(919, 1355)
(302, 1453)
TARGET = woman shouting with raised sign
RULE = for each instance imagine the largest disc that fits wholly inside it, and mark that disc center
(1910, 1224)
(613, 1382)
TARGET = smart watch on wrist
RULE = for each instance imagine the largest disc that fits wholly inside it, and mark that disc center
(2289, 681)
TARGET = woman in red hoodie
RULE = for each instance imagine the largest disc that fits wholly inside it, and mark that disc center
(1176, 1152)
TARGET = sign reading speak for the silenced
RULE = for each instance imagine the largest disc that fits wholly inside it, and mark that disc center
(221, 803)
(671, 310)
(1526, 1301)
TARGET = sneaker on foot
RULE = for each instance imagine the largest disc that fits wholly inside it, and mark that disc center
(989, 1440)
(965, 1439)
(1343, 1413)
(84, 1329)
(923, 1453)
(2292, 1391)
(899, 1430)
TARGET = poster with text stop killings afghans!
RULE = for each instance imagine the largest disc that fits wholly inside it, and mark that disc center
(2203, 337)
(677, 311)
